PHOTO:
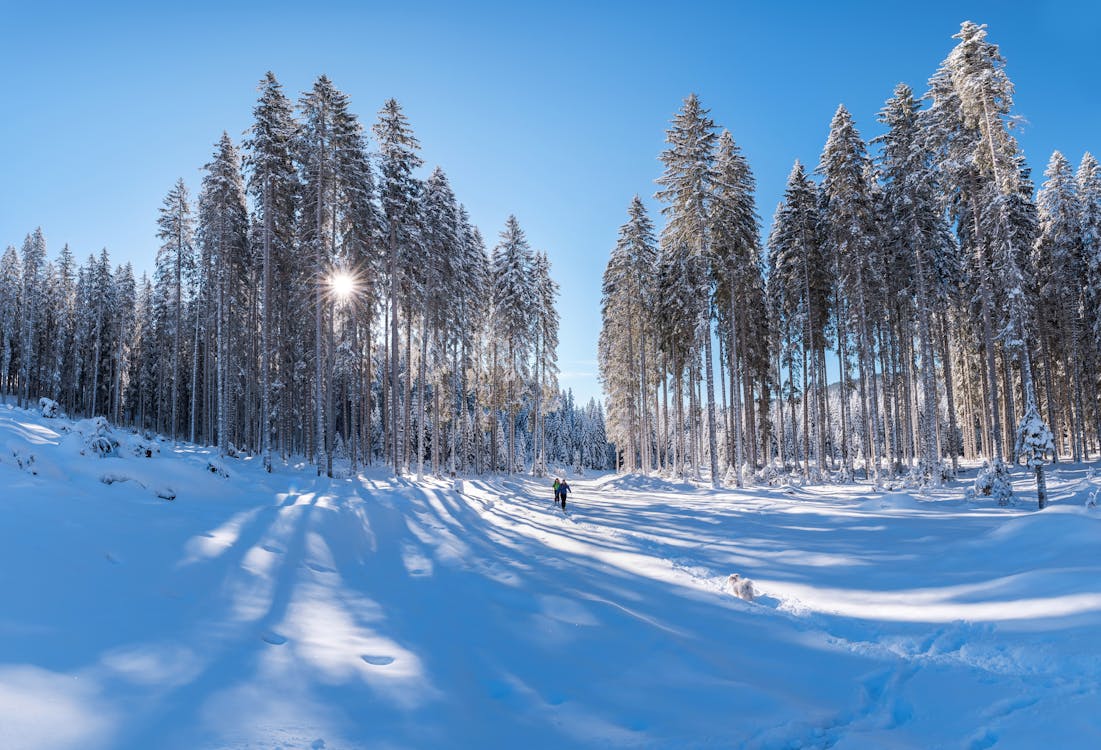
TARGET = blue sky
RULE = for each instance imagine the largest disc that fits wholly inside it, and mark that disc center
(555, 112)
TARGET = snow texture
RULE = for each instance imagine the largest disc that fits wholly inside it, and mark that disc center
(285, 610)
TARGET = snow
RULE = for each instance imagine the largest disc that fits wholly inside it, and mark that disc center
(291, 611)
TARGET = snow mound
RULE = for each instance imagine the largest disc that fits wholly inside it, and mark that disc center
(891, 501)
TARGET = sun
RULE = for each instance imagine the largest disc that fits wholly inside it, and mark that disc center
(343, 285)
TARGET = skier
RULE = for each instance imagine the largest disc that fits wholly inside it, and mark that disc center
(563, 488)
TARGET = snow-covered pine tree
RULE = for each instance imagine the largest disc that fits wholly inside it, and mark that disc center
(316, 153)
(799, 280)
(63, 305)
(629, 304)
(739, 294)
(851, 236)
(967, 126)
(439, 271)
(399, 192)
(223, 234)
(174, 261)
(687, 188)
(274, 185)
(360, 255)
(918, 237)
(32, 264)
(1059, 267)
(121, 331)
(1033, 446)
(545, 361)
(1088, 185)
(513, 314)
(11, 282)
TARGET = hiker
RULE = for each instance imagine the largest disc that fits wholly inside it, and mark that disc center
(563, 488)
(556, 482)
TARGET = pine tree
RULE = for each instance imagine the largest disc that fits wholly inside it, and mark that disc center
(629, 303)
(273, 184)
(1060, 266)
(11, 275)
(687, 186)
(918, 237)
(967, 125)
(546, 353)
(513, 308)
(399, 192)
(1088, 186)
(738, 280)
(32, 294)
(174, 261)
(802, 288)
(223, 234)
(850, 232)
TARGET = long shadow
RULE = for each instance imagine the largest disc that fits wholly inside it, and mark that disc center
(229, 649)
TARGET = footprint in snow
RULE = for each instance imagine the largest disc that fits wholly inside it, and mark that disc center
(377, 660)
(272, 548)
(319, 568)
(273, 638)
(112, 559)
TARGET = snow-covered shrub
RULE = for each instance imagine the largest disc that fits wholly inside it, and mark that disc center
(994, 482)
(816, 476)
(769, 475)
(1034, 444)
(142, 447)
(929, 473)
(97, 437)
(843, 475)
(216, 468)
(340, 450)
(49, 408)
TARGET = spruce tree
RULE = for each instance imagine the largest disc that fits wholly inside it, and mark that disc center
(687, 189)
(273, 184)
(399, 191)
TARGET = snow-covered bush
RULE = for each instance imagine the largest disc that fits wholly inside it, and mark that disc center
(748, 476)
(216, 468)
(929, 473)
(1034, 444)
(994, 482)
(49, 408)
(771, 475)
(143, 447)
(97, 437)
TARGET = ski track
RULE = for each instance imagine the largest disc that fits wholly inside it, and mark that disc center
(288, 610)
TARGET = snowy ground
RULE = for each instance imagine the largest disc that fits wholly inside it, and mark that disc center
(264, 611)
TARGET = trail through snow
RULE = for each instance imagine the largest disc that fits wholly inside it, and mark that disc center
(287, 611)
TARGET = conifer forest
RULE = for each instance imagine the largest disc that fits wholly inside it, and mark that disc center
(917, 300)
(316, 299)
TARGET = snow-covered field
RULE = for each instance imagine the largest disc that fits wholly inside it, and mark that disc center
(264, 611)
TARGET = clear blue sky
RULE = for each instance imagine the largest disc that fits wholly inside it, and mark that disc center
(554, 112)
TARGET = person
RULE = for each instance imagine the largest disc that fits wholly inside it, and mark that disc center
(556, 490)
(563, 488)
